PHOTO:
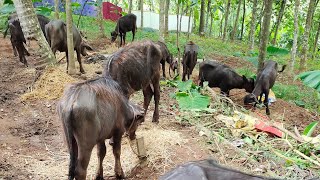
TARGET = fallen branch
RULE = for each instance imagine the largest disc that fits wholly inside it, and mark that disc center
(289, 133)
(307, 158)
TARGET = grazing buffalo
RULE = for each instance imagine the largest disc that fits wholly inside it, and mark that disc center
(189, 59)
(265, 81)
(207, 169)
(136, 67)
(56, 34)
(91, 112)
(166, 57)
(17, 38)
(224, 77)
(125, 24)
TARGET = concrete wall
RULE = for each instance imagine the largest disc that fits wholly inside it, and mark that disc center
(151, 20)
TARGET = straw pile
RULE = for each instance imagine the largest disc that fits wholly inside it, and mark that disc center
(52, 82)
(160, 144)
(50, 85)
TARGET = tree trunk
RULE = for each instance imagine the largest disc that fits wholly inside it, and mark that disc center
(166, 18)
(130, 6)
(211, 23)
(208, 13)
(71, 67)
(226, 20)
(100, 19)
(235, 26)
(161, 21)
(189, 22)
(179, 60)
(281, 12)
(243, 17)
(221, 24)
(141, 12)
(305, 38)
(253, 24)
(260, 21)
(56, 9)
(201, 26)
(315, 44)
(265, 33)
(31, 30)
(295, 35)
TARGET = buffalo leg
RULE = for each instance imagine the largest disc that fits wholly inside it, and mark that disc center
(21, 54)
(133, 33)
(13, 47)
(120, 34)
(147, 94)
(156, 86)
(26, 51)
(117, 152)
(184, 71)
(164, 69)
(124, 39)
(260, 98)
(101, 152)
(266, 102)
(79, 61)
(84, 153)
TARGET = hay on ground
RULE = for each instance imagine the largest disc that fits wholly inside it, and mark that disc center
(50, 85)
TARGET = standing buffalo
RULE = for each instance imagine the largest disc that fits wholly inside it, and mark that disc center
(56, 34)
(91, 112)
(136, 67)
(265, 81)
(17, 37)
(166, 57)
(224, 77)
(125, 24)
(189, 59)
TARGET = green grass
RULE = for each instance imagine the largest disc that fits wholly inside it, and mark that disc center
(300, 95)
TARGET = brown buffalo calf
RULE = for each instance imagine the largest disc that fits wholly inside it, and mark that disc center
(189, 60)
(91, 112)
(135, 67)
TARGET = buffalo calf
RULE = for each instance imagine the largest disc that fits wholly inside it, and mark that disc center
(265, 81)
(17, 37)
(189, 60)
(56, 34)
(136, 67)
(166, 57)
(91, 112)
(125, 24)
(224, 77)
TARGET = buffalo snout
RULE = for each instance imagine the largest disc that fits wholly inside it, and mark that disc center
(250, 98)
(138, 118)
(114, 35)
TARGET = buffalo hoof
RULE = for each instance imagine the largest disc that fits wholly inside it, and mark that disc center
(155, 120)
(268, 113)
(120, 176)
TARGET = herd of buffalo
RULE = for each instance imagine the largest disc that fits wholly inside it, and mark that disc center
(99, 109)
